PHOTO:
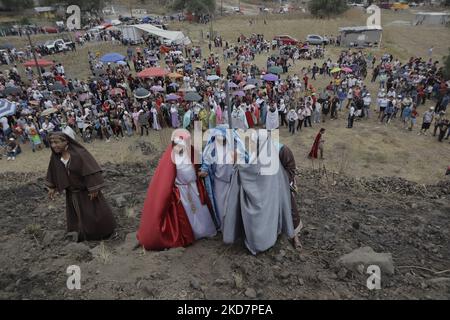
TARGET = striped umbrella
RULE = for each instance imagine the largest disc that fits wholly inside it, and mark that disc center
(7, 108)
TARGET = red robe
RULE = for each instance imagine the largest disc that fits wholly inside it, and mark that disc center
(164, 222)
(315, 147)
(249, 117)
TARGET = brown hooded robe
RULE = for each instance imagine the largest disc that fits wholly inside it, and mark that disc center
(92, 219)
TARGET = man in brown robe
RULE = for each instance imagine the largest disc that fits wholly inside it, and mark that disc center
(72, 168)
(288, 162)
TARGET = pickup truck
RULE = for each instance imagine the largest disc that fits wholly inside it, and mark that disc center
(58, 45)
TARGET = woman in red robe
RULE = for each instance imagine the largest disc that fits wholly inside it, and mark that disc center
(317, 145)
(164, 221)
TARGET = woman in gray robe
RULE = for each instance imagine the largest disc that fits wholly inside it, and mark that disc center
(258, 205)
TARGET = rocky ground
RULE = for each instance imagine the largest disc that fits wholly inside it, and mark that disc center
(406, 221)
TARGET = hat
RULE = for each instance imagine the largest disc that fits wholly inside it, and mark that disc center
(368, 94)
(11, 139)
(431, 108)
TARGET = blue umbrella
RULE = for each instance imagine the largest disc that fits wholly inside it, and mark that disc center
(173, 84)
(7, 108)
(232, 85)
(122, 63)
(270, 77)
(112, 57)
(172, 97)
(212, 78)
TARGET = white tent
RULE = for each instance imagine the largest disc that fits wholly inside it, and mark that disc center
(175, 37)
(432, 18)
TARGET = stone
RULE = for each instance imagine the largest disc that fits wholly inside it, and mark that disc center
(308, 202)
(342, 273)
(77, 250)
(439, 280)
(355, 225)
(72, 236)
(366, 256)
(301, 282)
(238, 281)
(52, 237)
(250, 293)
(195, 284)
(414, 206)
(221, 282)
(285, 275)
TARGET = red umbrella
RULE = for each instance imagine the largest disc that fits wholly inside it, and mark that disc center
(40, 63)
(152, 72)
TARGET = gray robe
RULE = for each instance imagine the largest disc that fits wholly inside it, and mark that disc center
(258, 208)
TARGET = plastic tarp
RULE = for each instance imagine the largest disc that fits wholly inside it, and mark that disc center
(177, 37)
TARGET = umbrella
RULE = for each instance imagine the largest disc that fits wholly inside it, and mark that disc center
(112, 57)
(47, 74)
(152, 72)
(275, 70)
(49, 111)
(173, 84)
(116, 91)
(141, 93)
(212, 78)
(345, 69)
(334, 70)
(7, 46)
(153, 59)
(7, 108)
(157, 88)
(252, 81)
(232, 85)
(249, 87)
(270, 77)
(11, 91)
(180, 65)
(172, 97)
(187, 90)
(40, 63)
(192, 96)
(122, 63)
(57, 87)
(239, 93)
(174, 75)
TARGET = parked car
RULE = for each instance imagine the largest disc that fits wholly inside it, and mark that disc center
(49, 29)
(316, 39)
(58, 45)
(286, 40)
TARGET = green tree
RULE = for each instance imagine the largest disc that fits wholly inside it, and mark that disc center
(327, 8)
(196, 6)
(14, 5)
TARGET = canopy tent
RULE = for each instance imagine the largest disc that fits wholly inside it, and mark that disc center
(432, 18)
(175, 37)
(361, 35)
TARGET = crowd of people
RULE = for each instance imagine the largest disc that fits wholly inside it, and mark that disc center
(173, 87)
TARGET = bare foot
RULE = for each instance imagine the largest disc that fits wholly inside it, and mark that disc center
(297, 244)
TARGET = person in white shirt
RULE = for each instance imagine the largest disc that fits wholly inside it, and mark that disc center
(48, 104)
(317, 113)
(367, 102)
(349, 97)
(351, 116)
(291, 118)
